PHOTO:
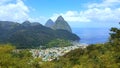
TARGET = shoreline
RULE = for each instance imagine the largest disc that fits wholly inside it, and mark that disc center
(50, 54)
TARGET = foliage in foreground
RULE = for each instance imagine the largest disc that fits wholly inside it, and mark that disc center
(94, 56)
(12, 58)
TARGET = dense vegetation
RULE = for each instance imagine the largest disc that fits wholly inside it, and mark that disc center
(105, 55)
(31, 35)
(12, 58)
(59, 43)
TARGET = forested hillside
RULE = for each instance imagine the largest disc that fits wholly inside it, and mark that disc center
(105, 55)
(31, 35)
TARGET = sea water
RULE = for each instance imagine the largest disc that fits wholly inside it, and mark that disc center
(92, 35)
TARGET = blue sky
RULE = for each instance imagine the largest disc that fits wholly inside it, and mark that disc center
(48, 7)
(78, 13)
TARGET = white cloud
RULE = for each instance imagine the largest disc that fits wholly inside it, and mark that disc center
(40, 19)
(106, 11)
(105, 3)
(16, 10)
(13, 11)
(72, 16)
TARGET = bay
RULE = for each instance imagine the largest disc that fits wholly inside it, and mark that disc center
(92, 35)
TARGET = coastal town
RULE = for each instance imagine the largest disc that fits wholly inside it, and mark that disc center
(50, 54)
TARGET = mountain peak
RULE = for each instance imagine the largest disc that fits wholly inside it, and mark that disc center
(49, 23)
(60, 18)
(27, 22)
(49, 20)
(60, 23)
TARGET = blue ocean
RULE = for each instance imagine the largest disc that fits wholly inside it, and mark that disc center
(92, 35)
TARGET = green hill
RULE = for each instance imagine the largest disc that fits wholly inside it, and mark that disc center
(31, 35)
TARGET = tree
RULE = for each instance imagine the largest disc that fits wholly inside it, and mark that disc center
(12, 58)
(115, 36)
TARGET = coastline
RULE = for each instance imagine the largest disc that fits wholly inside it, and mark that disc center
(50, 54)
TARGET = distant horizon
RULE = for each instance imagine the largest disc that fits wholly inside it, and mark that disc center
(92, 35)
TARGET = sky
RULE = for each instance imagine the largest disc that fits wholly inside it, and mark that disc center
(78, 13)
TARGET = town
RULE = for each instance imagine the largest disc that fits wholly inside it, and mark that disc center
(50, 54)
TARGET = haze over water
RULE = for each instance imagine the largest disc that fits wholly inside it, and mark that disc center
(92, 35)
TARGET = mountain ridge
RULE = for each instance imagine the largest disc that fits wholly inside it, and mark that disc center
(29, 36)
(60, 23)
